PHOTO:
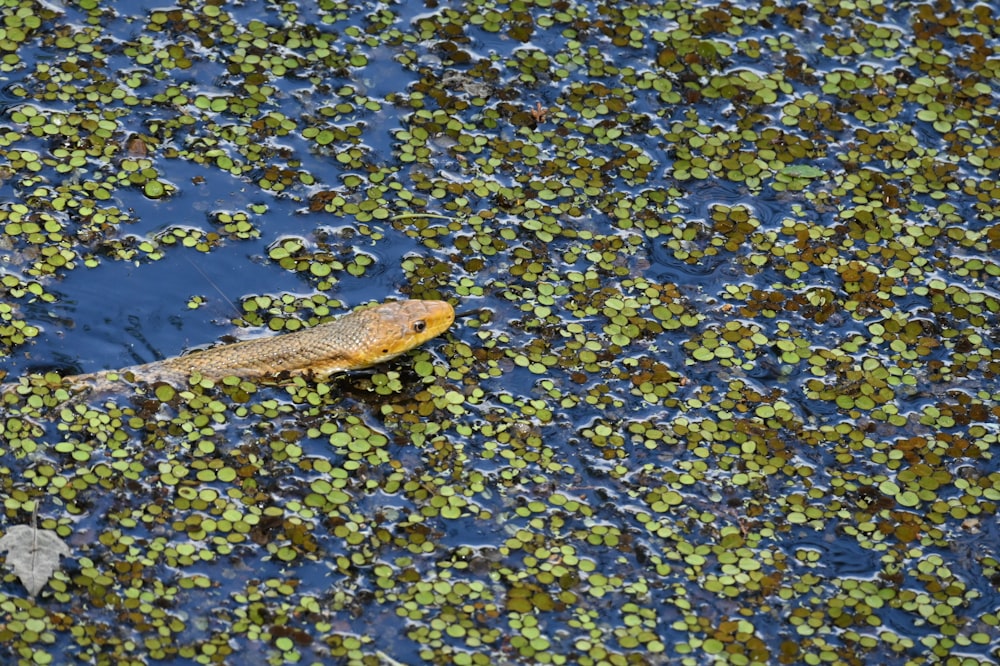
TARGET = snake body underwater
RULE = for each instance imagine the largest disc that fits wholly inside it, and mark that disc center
(354, 341)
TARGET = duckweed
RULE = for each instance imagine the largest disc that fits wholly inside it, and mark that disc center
(728, 394)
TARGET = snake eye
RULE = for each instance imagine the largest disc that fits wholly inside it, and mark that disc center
(419, 326)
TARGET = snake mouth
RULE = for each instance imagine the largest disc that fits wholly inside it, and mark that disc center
(471, 312)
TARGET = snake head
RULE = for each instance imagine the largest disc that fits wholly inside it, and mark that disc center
(390, 329)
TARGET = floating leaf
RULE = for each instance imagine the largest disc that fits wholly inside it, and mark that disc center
(802, 171)
(34, 554)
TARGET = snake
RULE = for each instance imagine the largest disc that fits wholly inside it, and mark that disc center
(354, 341)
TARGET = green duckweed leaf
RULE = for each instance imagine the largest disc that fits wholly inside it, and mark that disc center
(802, 171)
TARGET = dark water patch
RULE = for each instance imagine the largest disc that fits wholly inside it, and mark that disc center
(840, 555)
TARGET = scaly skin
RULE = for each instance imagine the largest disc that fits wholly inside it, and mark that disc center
(357, 340)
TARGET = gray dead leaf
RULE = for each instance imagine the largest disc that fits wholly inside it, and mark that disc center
(34, 554)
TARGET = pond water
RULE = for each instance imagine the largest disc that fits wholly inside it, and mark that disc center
(727, 392)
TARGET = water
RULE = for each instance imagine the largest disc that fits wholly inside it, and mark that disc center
(617, 460)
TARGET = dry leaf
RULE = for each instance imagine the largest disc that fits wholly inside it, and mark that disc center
(34, 554)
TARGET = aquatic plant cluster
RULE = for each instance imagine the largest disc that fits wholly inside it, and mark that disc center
(731, 396)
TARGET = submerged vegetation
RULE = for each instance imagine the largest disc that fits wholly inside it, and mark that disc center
(731, 397)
